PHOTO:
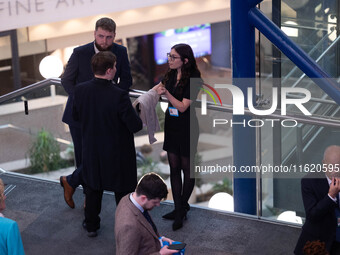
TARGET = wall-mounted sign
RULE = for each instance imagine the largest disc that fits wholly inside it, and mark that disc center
(23, 13)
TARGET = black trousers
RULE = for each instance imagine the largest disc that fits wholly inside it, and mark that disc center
(335, 250)
(93, 208)
(94, 205)
(75, 179)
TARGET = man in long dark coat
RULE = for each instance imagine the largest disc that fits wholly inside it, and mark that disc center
(108, 122)
(78, 70)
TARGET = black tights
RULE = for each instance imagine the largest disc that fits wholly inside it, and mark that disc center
(181, 193)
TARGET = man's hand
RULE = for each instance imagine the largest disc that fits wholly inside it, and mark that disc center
(334, 187)
(167, 240)
(166, 251)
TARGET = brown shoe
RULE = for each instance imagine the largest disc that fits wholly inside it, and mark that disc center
(68, 191)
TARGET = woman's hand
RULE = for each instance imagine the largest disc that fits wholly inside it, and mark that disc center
(161, 90)
(157, 86)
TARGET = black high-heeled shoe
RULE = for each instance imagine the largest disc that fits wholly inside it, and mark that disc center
(186, 207)
(170, 215)
(180, 215)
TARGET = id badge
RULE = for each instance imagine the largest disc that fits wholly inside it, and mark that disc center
(173, 111)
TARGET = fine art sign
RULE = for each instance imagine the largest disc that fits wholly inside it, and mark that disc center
(23, 13)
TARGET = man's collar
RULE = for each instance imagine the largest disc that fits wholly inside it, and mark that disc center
(140, 208)
(329, 180)
(95, 47)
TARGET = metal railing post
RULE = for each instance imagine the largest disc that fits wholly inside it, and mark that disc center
(244, 137)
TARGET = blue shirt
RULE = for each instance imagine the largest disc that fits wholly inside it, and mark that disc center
(10, 239)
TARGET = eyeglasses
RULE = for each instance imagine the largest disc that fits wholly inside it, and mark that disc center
(171, 57)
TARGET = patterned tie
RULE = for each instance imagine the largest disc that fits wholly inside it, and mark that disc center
(148, 218)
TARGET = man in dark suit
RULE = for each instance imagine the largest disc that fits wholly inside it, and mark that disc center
(135, 231)
(320, 193)
(79, 70)
(108, 121)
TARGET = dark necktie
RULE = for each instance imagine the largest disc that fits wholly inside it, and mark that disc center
(148, 218)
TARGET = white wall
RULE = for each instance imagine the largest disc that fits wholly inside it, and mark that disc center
(132, 22)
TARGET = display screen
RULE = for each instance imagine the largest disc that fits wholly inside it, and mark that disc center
(198, 37)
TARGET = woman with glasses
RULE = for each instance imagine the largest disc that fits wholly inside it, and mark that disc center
(179, 133)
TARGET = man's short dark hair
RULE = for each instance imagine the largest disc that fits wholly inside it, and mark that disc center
(152, 186)
(102, 61)
(106, 24)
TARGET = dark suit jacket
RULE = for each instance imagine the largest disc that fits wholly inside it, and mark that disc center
(321, 221)
(133, 233)
(79, 70)
(108, 122)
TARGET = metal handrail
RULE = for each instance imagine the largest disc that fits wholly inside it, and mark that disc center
(317, 60)
(312, 120)
(29, 88)
(310, 53)
(257, 19)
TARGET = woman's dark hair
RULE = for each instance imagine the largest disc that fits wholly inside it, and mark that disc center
(188, 69)
(152, 186)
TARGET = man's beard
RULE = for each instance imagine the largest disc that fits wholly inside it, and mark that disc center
(100, 48)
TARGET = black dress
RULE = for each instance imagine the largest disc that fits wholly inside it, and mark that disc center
(181, 133)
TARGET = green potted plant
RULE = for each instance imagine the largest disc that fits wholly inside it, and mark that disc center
(44, 154)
